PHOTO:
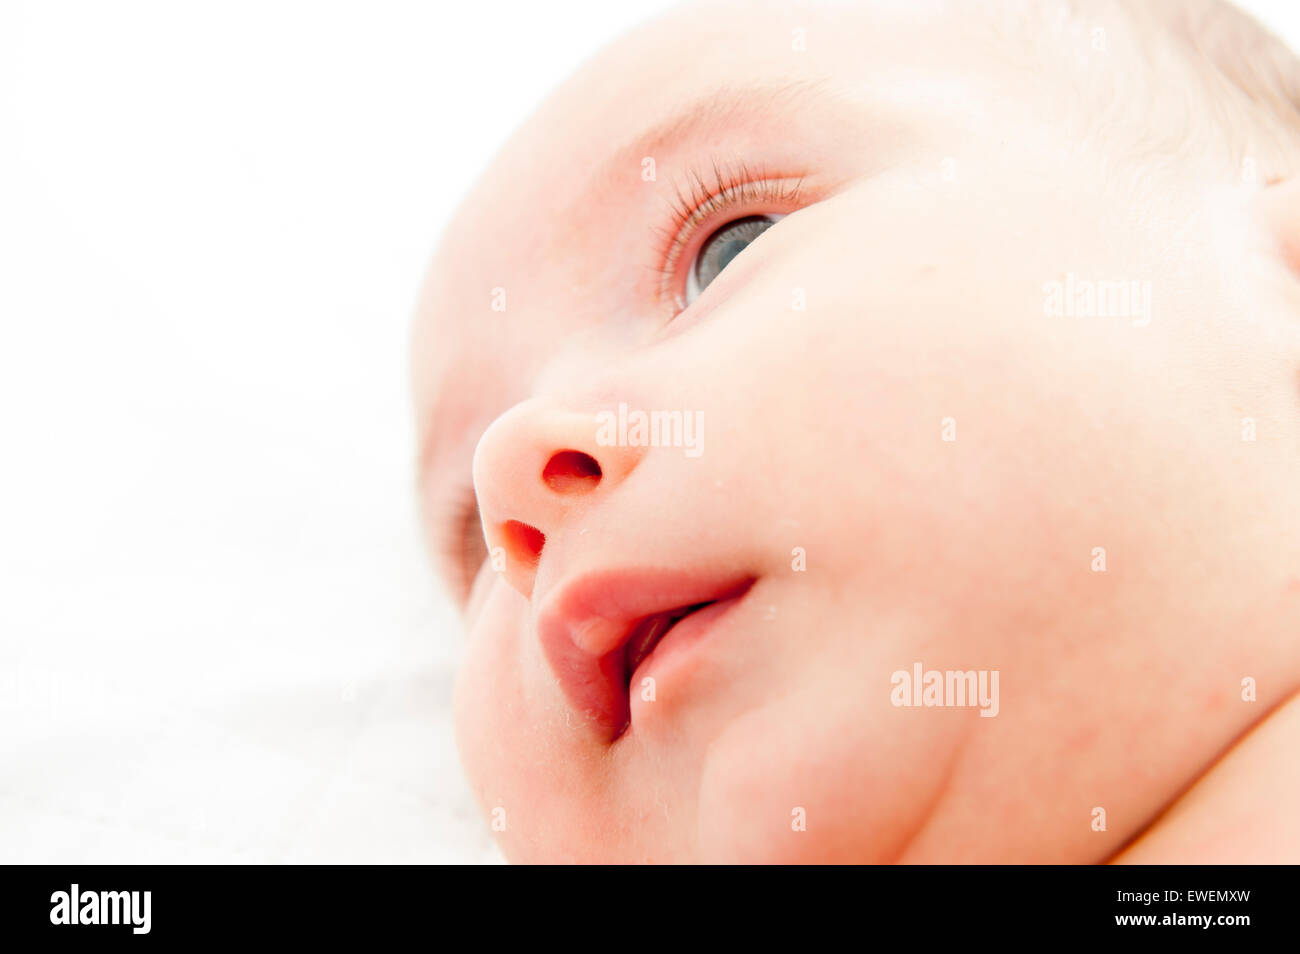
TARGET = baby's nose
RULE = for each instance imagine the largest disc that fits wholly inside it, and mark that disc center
(534, 466)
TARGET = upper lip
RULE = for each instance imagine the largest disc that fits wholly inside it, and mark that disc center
(585, 625)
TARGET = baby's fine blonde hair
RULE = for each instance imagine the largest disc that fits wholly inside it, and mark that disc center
(1179, 80)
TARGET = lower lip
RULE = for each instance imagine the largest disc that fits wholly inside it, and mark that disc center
(679, 642)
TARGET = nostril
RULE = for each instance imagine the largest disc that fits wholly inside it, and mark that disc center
(571, 470)
(523, 543)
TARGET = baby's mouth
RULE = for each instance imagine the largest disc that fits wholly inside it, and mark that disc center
(645, 636)
(597, 631)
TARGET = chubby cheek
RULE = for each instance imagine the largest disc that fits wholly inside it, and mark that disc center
(828, 773)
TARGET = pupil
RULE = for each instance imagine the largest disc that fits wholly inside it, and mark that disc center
(729, 251)
(726, 244)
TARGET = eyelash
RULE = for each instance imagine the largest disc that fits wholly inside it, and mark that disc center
(453, 545)
(699, 203)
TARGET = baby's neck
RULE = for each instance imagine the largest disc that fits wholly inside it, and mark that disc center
(1241, 810)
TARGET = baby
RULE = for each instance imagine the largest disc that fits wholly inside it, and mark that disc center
(871, 432)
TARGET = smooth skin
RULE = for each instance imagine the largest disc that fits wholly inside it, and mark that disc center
(943, 180)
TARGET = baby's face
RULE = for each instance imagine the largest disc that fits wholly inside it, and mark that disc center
(893, 451)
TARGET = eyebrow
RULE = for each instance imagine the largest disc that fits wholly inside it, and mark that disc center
(723, 107)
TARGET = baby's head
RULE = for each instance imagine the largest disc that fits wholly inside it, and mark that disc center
(999, 378)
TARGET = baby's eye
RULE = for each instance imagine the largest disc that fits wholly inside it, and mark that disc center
(720, 248)
(460, 545)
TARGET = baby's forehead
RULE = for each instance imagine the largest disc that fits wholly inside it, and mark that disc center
(708, 74)
(716, 65)
(707, 68)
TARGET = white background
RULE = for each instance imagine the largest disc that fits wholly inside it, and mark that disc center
(219, 639)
